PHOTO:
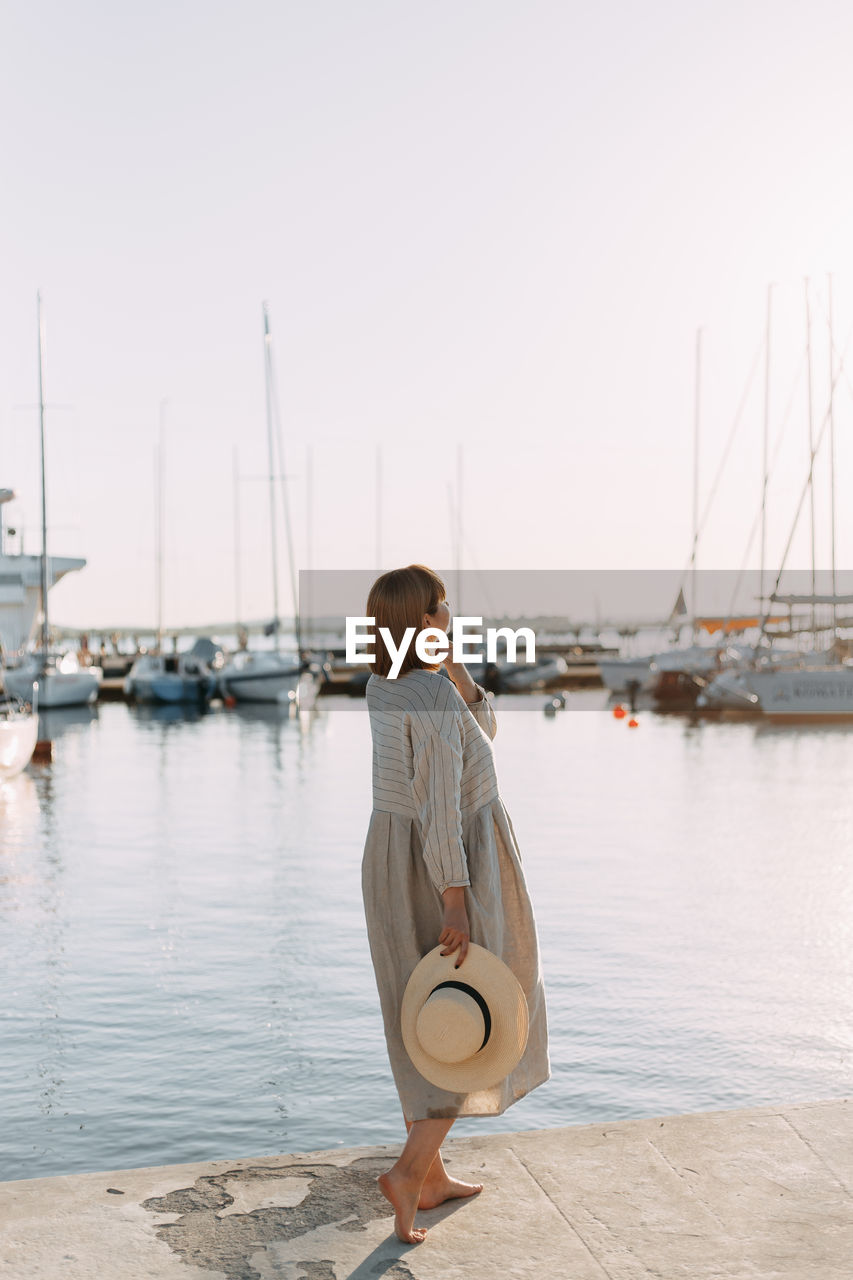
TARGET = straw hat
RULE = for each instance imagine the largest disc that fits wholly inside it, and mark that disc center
(464, 1029)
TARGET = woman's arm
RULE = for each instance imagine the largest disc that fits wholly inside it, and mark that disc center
(478, 704)
(436, 781)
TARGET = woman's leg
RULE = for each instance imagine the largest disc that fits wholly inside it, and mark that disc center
(402, 1184)
(439, 1186)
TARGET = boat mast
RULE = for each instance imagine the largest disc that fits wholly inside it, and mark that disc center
(238, 605)
(811, 445)
(309, 539)
(457, 604)
(45, 628)
(285, 503)
(161, 519)
(377, 505)
(832, 454)
(697, 400)
(271, 456)
(764, 460)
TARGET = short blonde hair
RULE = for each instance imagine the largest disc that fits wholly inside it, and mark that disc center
(397, 600)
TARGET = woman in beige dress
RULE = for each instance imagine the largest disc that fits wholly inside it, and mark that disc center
(441, 865)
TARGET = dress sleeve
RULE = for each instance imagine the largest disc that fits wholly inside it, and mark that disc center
(483, 713)
(437, 786)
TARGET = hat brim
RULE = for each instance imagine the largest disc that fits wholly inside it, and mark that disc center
(502, 992)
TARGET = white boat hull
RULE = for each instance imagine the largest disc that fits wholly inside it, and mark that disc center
(261, 678)
(806, 695)
(18, 735)
(56, 688)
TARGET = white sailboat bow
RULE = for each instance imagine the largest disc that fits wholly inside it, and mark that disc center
(18, 736)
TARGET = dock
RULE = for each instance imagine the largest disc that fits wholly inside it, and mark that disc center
(759, 1194)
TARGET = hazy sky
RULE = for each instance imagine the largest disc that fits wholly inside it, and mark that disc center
(489, 224)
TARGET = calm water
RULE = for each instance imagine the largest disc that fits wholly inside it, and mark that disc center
(186, 973)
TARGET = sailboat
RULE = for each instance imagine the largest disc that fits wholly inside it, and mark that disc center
(62, 682)
(819, 688)
(267, 675)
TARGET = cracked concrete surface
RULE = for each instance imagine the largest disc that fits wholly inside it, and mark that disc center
(765, 1194)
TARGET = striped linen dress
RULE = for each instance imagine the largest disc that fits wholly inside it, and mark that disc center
(438, 820)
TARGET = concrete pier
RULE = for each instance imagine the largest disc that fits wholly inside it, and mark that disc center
(764, 1193)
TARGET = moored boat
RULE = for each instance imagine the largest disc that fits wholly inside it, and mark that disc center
(259, 676)
(61, 680)
(807, 695)
(189, 677)
(18, 735)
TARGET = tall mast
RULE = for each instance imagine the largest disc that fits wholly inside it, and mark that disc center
(377, 506)
(309, 538)
(161, 518)
(45, 628)
(457, 606)
(286, 504)
(697, 401)
(832, 453)
(764, 458)
(238, 604)
(811, 441)
(271, 455)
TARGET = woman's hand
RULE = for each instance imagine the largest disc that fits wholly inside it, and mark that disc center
(456, 934)
(461, 677)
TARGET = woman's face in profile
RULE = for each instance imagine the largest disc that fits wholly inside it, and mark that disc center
(441, 618)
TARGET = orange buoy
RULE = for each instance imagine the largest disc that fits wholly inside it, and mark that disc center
(633, 724)
(619, 712)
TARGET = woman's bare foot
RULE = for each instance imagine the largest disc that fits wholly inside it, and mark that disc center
(435, 1193)
(403, 1195)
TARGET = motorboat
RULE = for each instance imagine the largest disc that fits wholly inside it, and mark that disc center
(189, 677)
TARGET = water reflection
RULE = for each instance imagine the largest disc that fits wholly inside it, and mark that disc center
(58, 721)
(166, 712)
(268, 726)
(19, 814)
(180, 910)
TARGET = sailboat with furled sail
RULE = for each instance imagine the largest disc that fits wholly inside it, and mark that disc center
(818, 687)
(61, 680)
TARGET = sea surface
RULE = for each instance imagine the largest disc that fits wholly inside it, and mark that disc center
(185, 966)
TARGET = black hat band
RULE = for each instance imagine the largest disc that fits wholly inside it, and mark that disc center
(475, 995)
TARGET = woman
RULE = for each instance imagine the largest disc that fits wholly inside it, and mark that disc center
(441, 865)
